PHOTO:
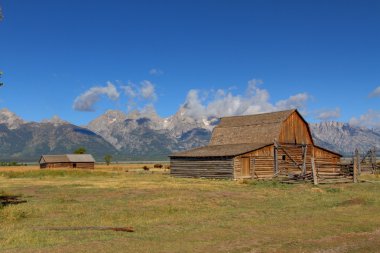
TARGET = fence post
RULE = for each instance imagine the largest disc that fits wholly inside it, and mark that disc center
(314, 171)
(356, 165)
(373, 160)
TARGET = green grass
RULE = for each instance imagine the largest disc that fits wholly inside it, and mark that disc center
(185, 215)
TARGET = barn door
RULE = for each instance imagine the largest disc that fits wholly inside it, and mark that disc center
(245, 167)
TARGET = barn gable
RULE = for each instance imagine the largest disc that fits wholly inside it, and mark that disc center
(294, 129)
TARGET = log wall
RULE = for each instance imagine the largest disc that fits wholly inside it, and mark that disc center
(326, 162)
(263, 167)
(213, 167)
(67, 165)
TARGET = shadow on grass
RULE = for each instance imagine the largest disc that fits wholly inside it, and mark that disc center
(6, 200)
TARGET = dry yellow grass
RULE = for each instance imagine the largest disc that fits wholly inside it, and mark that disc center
(184, 215)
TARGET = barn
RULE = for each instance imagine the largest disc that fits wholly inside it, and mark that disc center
(82, 161)
(260, 146)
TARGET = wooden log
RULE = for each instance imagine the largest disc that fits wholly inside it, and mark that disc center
(373, 160)
(304, 149)
(314, 171)
(275, 157)
(356, 165)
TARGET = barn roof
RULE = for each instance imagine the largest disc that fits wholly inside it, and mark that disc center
(75, 158)
(220, 150)
(237, 135)
(258, 128)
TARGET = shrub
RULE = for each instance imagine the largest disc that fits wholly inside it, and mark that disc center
(108, 159)
(80, 150)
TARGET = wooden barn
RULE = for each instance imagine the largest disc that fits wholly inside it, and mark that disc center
(257, 146)
(80, 161)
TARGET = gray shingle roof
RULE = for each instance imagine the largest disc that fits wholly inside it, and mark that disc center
(241, 134)
(259, 128)
(220, 150)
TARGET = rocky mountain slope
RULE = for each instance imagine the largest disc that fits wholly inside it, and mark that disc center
(140, 134)
(344, 138)
(27, 141)
(144, 135)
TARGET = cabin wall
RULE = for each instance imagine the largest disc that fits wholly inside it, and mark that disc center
(213, 167)
(295, 130)
(326, 161)
(81, 165)
(261, 163)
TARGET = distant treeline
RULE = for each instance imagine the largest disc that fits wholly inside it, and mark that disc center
(12, 164)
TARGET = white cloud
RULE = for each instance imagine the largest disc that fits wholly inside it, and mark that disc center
(139, 94)
(296, 101)
(375, 93)
(147, 90)
(224, 103)
(328, 114)
(156, 72)
(370, 119)
(129, 91)
(87, 100)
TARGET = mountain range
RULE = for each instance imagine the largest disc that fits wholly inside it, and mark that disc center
(144, 135)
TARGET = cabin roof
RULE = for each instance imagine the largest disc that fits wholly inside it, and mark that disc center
(220, 150)
(74, 158)
(328, 150)
(258, 128)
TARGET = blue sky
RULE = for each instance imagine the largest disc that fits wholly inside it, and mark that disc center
(76, 59)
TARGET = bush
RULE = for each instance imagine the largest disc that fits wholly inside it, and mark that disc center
(108, 159)
(80, 150)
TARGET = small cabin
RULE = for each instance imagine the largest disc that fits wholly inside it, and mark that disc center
(260, 146)
(79, 161)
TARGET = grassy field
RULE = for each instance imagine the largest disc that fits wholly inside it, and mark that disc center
(183, 215)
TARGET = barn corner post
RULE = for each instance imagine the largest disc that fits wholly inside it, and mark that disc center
(304, 155)
(275, 157)
(314, 171)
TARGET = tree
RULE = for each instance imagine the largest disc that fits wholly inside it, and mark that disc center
(80, 150)
(108, 159)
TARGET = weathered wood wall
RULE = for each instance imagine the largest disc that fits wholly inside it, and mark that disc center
(212, 167)
(326, 162)
(68, 165)
(295, 130)
(262, 161)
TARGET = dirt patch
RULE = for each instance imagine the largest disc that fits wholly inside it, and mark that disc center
(353, 202)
